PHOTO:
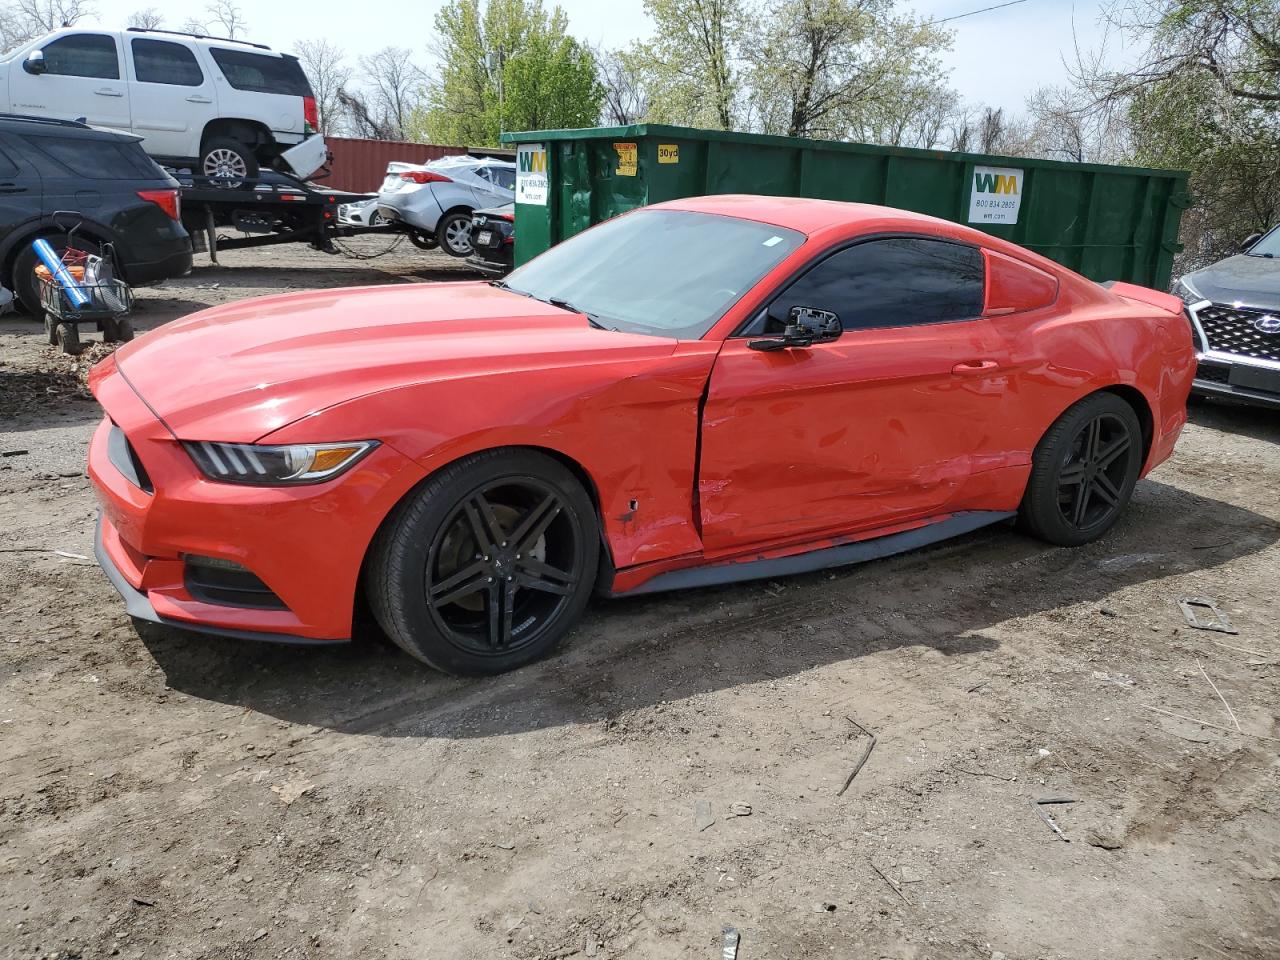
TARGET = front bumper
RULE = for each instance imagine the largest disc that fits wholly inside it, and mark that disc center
(1219, 375)
(306, 544)
(139, 607)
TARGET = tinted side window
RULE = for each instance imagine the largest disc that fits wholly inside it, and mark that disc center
(504, 177)
(160, 61)
(891, 283)
(99, 159)
(260, 73)
(83, 55)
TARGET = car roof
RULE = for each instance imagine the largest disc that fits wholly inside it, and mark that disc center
(806, 214)
(460, 161)
(50, 126)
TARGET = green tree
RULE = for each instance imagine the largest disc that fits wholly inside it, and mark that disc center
(691, 68)
(828, 68)
(1202, 94)
(506, 65)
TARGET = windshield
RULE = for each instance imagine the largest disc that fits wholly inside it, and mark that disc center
(667, 273)
(1268, 246)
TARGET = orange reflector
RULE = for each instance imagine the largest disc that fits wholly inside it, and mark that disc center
(328, 459)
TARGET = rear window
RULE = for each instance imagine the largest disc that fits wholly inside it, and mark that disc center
(99, 159)
(259, 73)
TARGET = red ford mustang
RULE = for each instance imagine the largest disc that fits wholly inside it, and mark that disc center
(698, 392)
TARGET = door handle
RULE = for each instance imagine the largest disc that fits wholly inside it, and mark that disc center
(975, 368)
(199, 99)
(108, 92)
(11, 188)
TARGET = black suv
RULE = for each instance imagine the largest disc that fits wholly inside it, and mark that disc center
(55, 174)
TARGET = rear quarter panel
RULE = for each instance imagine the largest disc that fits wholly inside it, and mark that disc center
(1091, 340)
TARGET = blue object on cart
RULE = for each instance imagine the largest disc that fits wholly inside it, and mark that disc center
(55, 266)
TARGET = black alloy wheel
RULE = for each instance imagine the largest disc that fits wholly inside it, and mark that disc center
(1090, 482)
(502, 566)
(488, 564)
(1084, 471)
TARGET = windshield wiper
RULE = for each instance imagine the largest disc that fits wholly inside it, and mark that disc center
(592, 319)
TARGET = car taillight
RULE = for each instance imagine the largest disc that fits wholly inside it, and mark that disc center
(425, 176)
(166, 200)
(310, 114)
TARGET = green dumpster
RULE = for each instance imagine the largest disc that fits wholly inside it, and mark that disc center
(1106, 222)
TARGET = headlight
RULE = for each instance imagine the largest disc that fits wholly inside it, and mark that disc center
(1186, 292)
(266, 465)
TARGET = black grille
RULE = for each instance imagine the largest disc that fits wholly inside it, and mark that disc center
(1234, 330)
(125, 459)
(1213, 373)
(228, 585)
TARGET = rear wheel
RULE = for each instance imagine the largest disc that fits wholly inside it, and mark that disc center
(423, 241)
(488, 565)
(453, 233)
(228, 161)
(1083, 472)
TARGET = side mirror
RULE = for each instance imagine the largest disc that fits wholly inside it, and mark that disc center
(35, 62)
(805, 327)
(1249, 242)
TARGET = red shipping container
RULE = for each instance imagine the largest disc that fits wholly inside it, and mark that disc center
(359, 165)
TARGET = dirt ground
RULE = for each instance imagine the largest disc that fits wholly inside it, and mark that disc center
(172, 795)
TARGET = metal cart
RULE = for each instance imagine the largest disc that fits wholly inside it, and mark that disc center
(109, 301)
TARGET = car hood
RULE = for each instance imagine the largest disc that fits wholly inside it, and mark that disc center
(239, 372)
(1253, 281)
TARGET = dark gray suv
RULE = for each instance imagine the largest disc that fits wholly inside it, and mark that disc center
(58, 174)
(1235, 309)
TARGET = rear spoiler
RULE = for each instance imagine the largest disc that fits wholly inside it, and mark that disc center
(1152, 298)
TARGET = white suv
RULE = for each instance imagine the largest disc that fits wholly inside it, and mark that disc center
(223, 105)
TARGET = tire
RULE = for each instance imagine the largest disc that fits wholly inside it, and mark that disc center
(24, 283)
(124, 329)
(453, 233)
(51, 329)
(69, 339)
(487, 565)
(228, 161)
(1083, 472)
(423, 241)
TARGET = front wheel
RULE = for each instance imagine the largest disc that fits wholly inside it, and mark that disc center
(453, 233)
(488, 565)
(1083, 472)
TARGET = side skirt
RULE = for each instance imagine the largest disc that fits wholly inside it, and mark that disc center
(844, 555)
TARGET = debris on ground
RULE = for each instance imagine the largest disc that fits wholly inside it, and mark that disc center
(1050, 821)
(1203, 614)
(702, 816)
(732, 939)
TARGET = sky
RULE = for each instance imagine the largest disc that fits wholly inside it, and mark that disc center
(998, 57)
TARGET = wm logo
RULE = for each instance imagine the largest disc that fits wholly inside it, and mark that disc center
(533, 161)
(995, 183)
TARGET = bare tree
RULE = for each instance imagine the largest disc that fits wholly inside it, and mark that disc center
(28, 19)
(224, 19)
(391, 91)
(148, 19)
(329, 75)
(225, 15)
(626, 97)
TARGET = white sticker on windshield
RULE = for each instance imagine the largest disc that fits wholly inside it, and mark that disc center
(772, 241)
